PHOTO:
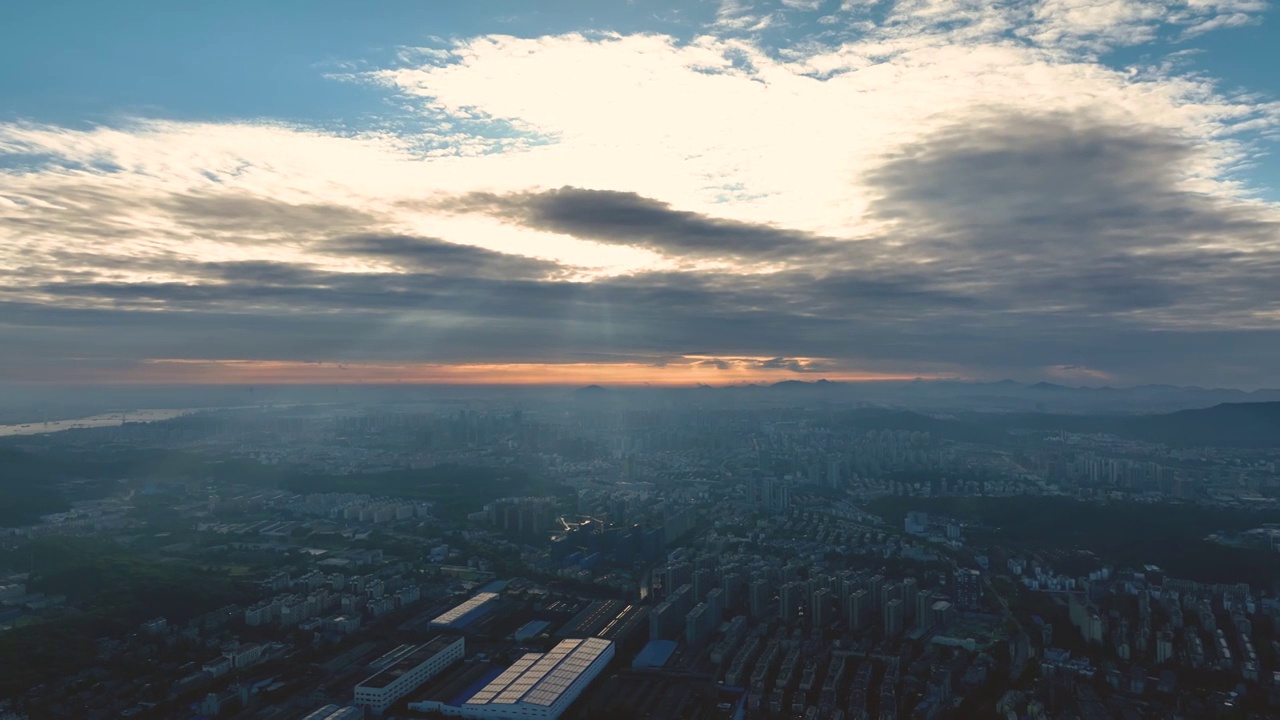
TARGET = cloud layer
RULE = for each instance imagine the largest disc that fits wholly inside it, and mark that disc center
(939, 188)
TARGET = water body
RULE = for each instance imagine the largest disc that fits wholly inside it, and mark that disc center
(93, 421)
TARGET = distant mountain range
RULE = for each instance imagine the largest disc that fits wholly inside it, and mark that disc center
(984, 412)
(1242, 425)
(959, 396)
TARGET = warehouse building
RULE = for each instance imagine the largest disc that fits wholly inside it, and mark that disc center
(465, 612)
(408, 673)
(541, 685)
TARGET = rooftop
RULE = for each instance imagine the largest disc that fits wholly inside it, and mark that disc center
(540, 679)
(655, 654)
(451, 616)
(531, 629)
(408, 662)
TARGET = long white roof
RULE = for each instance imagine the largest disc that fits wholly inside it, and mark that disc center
(449, 616)
(540, 679)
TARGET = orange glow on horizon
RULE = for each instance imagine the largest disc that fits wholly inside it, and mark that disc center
(273, 372)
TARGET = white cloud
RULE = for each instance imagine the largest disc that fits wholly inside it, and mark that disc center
(715, 125)
(736, 15)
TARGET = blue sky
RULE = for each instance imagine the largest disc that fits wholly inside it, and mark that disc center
(728, 189)
(88, 62)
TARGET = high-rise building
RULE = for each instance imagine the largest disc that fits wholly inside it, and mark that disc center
(734, 586)
(761, 594)
(791, 599)
(768, 496)
(715, 601)
(791, 572)
(968, 589)
(942, 613)
(677, 574)
(858, 610)
(846, 583)
(664, 622)
(1164, 646)
(822, 606)
(1096, 629)
(909, 592)
(873, 586)
(699, 624)
(703, 581)
(924, 610)
(890, 591)
(893, 617)
(523, 515)
(683, 598)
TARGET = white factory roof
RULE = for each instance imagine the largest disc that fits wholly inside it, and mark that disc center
(540, 679)
(450, 616)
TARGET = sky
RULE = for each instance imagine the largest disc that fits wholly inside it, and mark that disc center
(1079, 191)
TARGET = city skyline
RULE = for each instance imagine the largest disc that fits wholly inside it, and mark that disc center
(630, 193)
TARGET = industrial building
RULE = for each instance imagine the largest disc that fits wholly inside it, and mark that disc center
(408, 673)
(699, 624)
(529, 630)
(593, 619)
(541, 685)
(333, 712)
(621, 628)
(462, 614)
(654, 655)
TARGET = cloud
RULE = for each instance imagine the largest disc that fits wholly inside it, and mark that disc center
(806, 5)
(435, 256)
(935, 186)
(630, 219)
(1079, 373)
(1087, 27)
(1076, 214)
(247, 216)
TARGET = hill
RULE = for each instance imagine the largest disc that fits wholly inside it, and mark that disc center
(1240, 425)
(1224, 425)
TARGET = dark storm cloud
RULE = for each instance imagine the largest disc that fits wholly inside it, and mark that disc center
(626, 218)
(1065, 212)
(431, 255)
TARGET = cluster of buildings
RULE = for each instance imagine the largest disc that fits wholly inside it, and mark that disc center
(333, 601)
(440, 676)
(722, 560)
(355, 507)
(526, 516)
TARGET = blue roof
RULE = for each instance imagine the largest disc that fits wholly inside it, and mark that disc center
(531, 629)
(495, 586)
(655, 654)
(476, 686)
